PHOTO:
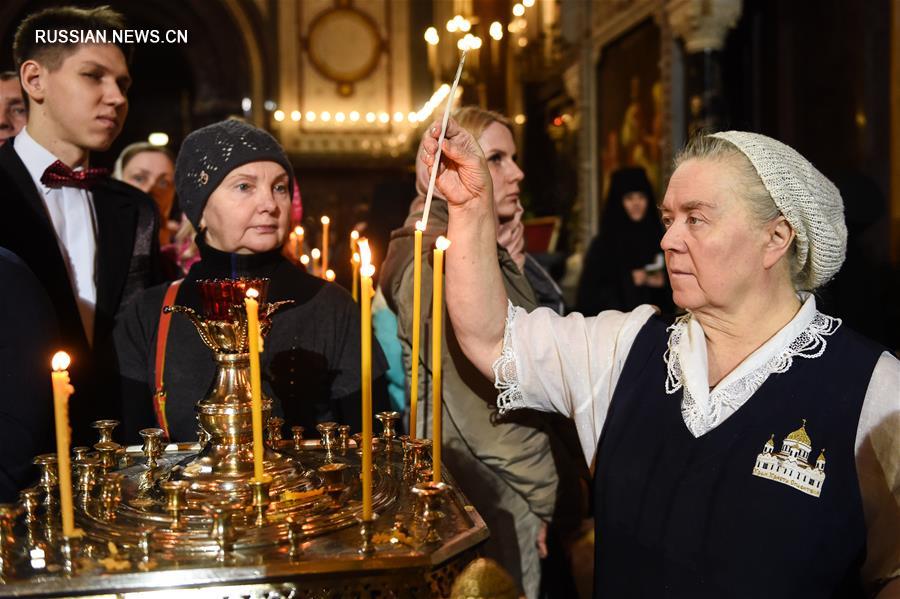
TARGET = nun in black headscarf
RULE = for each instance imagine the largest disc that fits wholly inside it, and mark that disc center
(624, 267)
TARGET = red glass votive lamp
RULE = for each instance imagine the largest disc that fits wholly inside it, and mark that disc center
(220, 296)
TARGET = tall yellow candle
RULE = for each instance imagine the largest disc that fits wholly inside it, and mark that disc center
(433, 61)
(416, 330)
(61, 392)
(326, 222)
(255, 380)
(366, 273)
(314, 269)
(355, 264)
(298, 236)
(437, 317)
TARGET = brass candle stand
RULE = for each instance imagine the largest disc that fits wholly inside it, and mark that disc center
(430, 494)
(189, 515)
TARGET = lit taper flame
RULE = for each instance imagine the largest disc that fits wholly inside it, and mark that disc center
(60, 361)
(365, 255)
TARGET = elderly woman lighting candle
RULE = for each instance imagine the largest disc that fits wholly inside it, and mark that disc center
(234, 182)
(753, 425)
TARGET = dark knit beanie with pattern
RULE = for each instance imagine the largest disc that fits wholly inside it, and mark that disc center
(209, 154)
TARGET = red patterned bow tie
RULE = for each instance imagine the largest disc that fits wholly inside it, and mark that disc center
(59, 175)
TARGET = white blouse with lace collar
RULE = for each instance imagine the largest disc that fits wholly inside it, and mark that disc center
(572, 364)
(805, 336)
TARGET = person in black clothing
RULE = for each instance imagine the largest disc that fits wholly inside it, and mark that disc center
(90, 240)
(234, 183)
(623, 267)
(26, 406)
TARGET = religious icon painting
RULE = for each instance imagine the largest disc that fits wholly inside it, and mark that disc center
(631, 106)
(791, 465)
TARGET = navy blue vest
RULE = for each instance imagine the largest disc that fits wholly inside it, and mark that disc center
(678, 516)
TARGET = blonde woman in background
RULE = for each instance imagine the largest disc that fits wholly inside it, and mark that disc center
(505, 467)
(151, 169)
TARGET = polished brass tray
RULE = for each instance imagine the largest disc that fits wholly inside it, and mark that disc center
(308, 543)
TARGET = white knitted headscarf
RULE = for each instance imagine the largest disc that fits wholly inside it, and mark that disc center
(807, 199)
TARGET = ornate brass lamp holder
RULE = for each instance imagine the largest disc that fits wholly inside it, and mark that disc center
(430, 494)
(188, 515)
(68, 551)
(367, 533)
(225, 463)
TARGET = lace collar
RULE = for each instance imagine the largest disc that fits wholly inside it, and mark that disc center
(686, 363)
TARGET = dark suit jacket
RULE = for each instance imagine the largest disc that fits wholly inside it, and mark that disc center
(127, 263)
(26, 405)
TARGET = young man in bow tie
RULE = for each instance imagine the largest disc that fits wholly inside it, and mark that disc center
(90, 240)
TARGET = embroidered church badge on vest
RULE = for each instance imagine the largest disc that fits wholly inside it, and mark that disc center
(791, 465)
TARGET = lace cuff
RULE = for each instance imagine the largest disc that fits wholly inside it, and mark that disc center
(506, 378)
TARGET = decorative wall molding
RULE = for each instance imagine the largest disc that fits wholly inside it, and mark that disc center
(703, 24)
(322, 70)
(263, 7)
(613, 18)
(332, 57)
(254, 54)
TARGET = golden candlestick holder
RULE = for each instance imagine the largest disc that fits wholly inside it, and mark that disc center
(430, 494)
(225, 463)
(261, 499)
(182, 516)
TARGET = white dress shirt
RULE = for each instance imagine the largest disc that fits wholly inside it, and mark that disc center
(71, 211)
(572, 364)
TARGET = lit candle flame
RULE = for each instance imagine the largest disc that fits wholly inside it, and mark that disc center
(325, 220)
(365, 255)
(316, 253)
(298, 230)
(420, 226)
(304, 260)
(60, 361)
(442, 243)
(252, 293)
(329, 275)
(356, 257)
(354, 234)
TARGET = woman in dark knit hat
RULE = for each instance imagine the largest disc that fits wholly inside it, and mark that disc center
(234, 183)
